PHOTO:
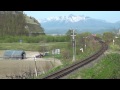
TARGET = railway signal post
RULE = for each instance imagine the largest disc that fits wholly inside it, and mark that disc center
(74, 44)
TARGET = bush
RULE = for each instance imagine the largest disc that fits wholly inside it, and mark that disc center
(114, 47)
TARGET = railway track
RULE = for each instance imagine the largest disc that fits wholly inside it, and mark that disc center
(76, 65)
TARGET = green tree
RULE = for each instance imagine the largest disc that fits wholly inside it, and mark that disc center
(108, 37)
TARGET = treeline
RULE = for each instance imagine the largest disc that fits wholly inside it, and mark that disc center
(108, 37)
(33, 39)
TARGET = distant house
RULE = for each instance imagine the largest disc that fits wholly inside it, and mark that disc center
(14, 54)
(56, 51)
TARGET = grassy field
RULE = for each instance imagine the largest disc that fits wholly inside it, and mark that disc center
(29, 46)
(106, 69)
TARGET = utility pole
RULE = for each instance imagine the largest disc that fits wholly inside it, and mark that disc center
(113, 42)
(35, 67)
(85, 41)
(54, 56)
(74, 44)
(54, 52)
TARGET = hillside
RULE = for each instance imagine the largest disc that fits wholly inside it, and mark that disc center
(16, 23)
(33, 25)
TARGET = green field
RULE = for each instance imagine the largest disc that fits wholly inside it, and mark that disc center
(107, 68)
(29, 46)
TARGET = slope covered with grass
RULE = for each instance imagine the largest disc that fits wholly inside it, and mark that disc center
(107, 68)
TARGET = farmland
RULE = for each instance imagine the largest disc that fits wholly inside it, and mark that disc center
(18, 67)
(46, 64)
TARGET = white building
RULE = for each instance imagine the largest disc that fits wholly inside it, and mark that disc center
(56, 51)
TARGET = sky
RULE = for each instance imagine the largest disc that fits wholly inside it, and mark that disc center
(109, 16)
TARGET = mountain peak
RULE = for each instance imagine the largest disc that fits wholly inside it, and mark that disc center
(69, 18)
(71, 15)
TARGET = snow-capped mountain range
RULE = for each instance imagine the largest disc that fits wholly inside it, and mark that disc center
(61, 24)
(70, 18)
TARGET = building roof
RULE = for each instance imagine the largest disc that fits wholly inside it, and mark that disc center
(13, 53)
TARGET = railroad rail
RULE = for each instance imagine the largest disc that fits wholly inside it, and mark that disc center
(76, 65)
